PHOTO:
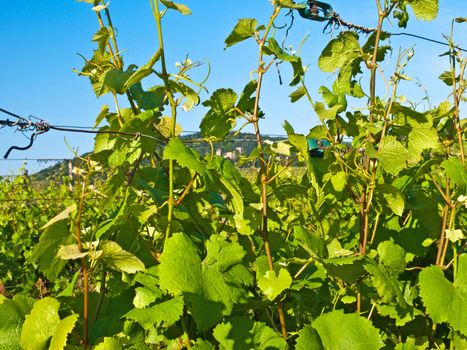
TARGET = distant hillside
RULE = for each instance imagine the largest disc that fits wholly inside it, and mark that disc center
(233, 147)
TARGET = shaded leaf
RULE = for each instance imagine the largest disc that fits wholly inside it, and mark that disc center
(245, 334)
(163, 314)
(45, 252)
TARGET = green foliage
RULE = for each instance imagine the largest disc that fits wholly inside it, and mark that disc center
(164, 244)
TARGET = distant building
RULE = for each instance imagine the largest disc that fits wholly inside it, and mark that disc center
(230, 155)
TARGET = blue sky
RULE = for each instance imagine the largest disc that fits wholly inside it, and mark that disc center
(40, 41)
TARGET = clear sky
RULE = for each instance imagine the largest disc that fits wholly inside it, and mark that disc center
(40, 41)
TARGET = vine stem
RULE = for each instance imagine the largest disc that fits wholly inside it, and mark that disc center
(264, 170)
(84, 268)
(173, 107)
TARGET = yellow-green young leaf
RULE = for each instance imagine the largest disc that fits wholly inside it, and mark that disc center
(347, 331)
(64, 328)
(183, 9)
(290, 4)
(244, 29)
(243, 333)
(62, 216)
(146, 296)
(445, 301)
(102, 114)
(272, 285)
(339, 181)
(340, 52)
(454, 235)
(115, 257)
(70, 252)
(326, 114)
(109, 344)
(426, 10)
(273, 48)
(281, 147)
(40, 324)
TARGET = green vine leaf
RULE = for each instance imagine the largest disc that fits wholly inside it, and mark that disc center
(272, 286)
(185, 157)
(221, 117)
(115, 79)
(308, 339)
(183, 9)
(426, 10)
(211, 286)
(164, 314)
(340, 52)
(445, 301)
(392, 257)
(297, 94)
(116, 258)
(70, 252)
(353, 332)
(395, 201)
(391, 153)
(244, 29)
(421, 139)
(109, 344)
(40, 325)
(45, 252)
(13, 313)
(456, 172)
(143, 71)
(59, 339)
